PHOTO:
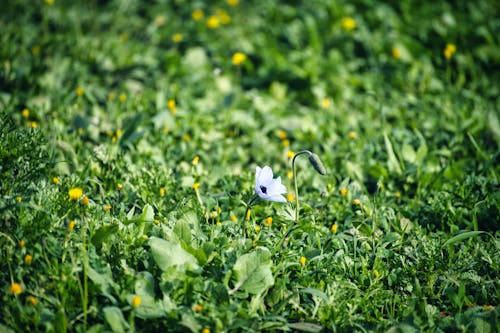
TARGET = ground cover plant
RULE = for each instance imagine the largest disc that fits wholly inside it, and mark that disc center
(153, 155)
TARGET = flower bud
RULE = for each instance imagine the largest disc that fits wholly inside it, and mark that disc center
(317, 164)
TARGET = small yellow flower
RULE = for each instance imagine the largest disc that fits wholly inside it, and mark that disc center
(56, 180)
(356, 202)
(376, 273)
(257, 228)
(325, 103)
(282, 134)
(144, 237)
(197, 308)
(186, 137)
(303, 260)
(334, 228)
(233, 3)
(238, 58)
(197, 14)
(160, 20)
(488, 307)
(33, 124)
(213, 22)
(157, 222)
(213, 214)
(343, 191)
(234, 218)
(107, 208)
(219, 224)
(171, 104)
(162, 192)
(205, 330)
(79, 131)
(136, 301)
(268, 221)
(32, 300)
(35, 50)
(290, 196)
(249, 212)
(111, 96)
(15, 288)
(195, 186)
(119, 186)
(19, 199)
(290, 153)
(177, 38)
(122, 97)
(25, 113)
(285, 143)
(119, 133)
(289, 174)
(196, 160)
(348, 23)
(75, 193)
(352, 135)
(396, 53)
(449, 50)
(397, 194)
(71, 225)
(49, 2)
(22, 243)
(79, 91)
(85, 200)
(27, 259)
(223, 16)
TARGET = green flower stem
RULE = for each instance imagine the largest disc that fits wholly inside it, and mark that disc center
(295, 182)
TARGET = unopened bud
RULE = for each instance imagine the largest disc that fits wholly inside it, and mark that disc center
(317, 164)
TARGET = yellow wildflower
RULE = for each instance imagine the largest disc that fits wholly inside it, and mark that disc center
(282, 134)
(136, 301)
(171, 105)
(85, 200)
(19, 199)
(80, 131)
(290, 196)
(15, 288)
(206, 330)
(79, 91)
(397, 194)
(449, 50)
(396, 53)
(107, 208)
(197, 308)
(219, 224)
(186, 137)
(223, 16)
(376, 273)
(343, 191)
(289, 174)
(325, 103)
(213, 22)
(119, 186)
(285, 143)
(334, 228)
(234, 218)
(55, 180)
(257, 228)
(356, 202)
(33, 124)
(197, 14)
(71, 225)
(162, 192)
(348, 23)
(27, 259)
(25, 113)
(290, 153)
(32, 300)
(268, 221)
(160, 20)
(303, 260)
(352, 134)
(488, 307)
(195, 186)
(249, 212)
(22, 243)
(75, 193)
(238, 58)
(49, 2)
(233, 3)
(122, 97)
(196, 160)
(118, 133)
(177, 38)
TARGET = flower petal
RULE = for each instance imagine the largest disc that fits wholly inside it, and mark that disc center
(277, 198)
(265, 176)
(275, 187)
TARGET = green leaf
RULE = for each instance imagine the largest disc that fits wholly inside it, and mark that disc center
(147, 215)
(392, 161)
(183, 231)
(252, 272)
(103, 233)
(167, 254)
(462, 236)
(114, 317)
(314, 292)
(305, 327)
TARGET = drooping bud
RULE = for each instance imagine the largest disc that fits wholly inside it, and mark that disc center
(317, 164)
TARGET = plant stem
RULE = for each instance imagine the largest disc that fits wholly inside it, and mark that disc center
(295, 182)
(85, 282)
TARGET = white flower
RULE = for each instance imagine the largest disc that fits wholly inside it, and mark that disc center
(268, 188)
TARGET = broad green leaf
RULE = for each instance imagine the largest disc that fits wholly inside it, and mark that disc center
(252, 272)
(462, 236)
(183, 231)
(103, 233)
(147, 215)
(314, 292)
(114, 317)
(305, 327)
(167, 254)
(392, 161)
(408, 153)
(145, 284)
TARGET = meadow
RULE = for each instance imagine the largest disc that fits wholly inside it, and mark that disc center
(137, 137)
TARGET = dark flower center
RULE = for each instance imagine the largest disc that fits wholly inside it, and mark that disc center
(263, 189)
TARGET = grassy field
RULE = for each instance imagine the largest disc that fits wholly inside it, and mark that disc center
(130, 137)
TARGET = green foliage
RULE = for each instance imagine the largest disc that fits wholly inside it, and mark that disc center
(142, 107)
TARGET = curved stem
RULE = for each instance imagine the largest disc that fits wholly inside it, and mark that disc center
(295, 181)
